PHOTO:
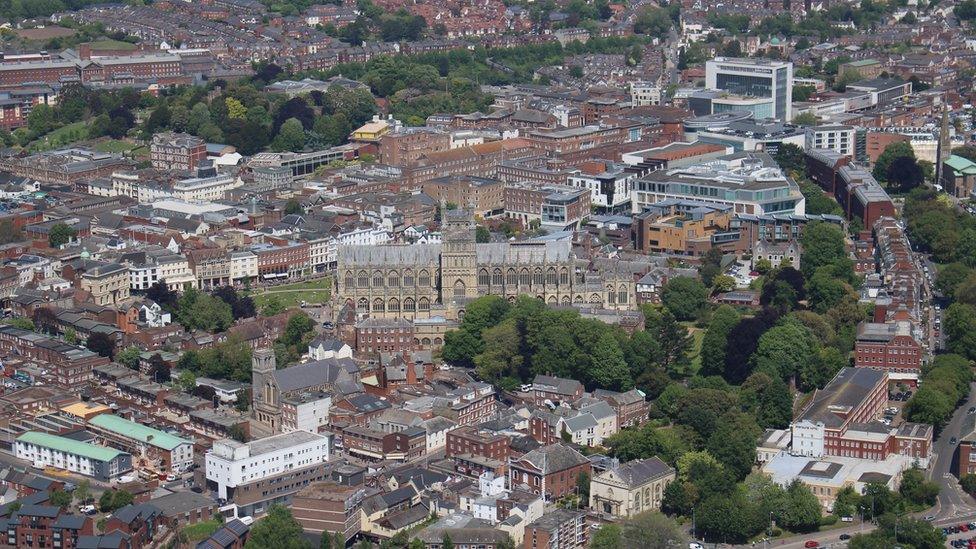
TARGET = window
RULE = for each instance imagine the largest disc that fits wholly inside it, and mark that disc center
(350, 280)
(393, 279)
(424, 279)
(564, 276)
(377, 279)
(408, 278)
(496, 277)
(423, 304)
(363, 279)
(551, 276)
(409, 305)
(537, 277)
(524, 277)
(483, 278)
(393, 306)
(378, 305)
(510, 278)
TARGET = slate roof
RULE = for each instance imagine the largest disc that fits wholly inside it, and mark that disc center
(312, 374)
(842, 394)
(638, 472)
(554, 458)
(557, 384)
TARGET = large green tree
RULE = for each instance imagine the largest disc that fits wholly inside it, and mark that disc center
(685, 297)
(716, 340)
(888, 156)
(277, 530)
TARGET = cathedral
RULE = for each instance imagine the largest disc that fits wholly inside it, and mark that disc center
(424, 280)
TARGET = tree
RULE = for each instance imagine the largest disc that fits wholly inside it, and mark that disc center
(791, 158)
(825, 291)
(482, 234)
(45, 320)
(769, 399)
(501, 356)
(968, 483)
(272, 306)
(805, 119)
(293, 206)
(960, 329)
(277, 530)
(716, 340)
(112, 500)
(186, 380)
(904, 174)
(129, 357)
(240, 306)
(59, 498)
(60, 235)
(685, 297)
(654, 22)
(733, 442)
(894, 150)
(161, 294)
(610, 369)
(711, 265)
(249, 136)
(446, 542)
(291, 137)
(783, 350)
(82, 492)
(608, 536)
(201, 311)
(41, 119)
(158, 369)
(823, 244)
(916, 489)
(101, 343)
(802, 512)
(966, 151)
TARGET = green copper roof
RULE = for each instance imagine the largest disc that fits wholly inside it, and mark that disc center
(961, 164)
(137, 431)
(67, 445)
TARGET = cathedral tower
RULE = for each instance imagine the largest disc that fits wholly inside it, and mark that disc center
(459, 263)
(264, 390)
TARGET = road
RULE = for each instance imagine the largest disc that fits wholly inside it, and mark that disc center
(952, 500)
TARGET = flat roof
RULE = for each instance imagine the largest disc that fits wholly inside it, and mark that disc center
(67, 445)
(137, 431)
(282, 441)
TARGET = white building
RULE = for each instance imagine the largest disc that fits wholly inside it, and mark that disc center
(837, 138)
(323, 348)
(644, 93)
(306, 412)
(364, 236)
(210, 187)
(231, 465)
(323, 253)
(46, 450)
(755, 78)
(243, 266)
(609, 188)
(437, 428)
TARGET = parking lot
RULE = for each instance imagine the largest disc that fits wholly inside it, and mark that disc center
(961, 535)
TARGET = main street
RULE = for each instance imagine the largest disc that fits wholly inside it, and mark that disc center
(953, 502)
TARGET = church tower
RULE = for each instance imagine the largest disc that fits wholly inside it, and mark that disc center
(944, 148)
(459, 264)
(264, 391)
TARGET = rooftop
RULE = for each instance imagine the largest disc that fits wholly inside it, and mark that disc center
(137, 431)
(70, 446)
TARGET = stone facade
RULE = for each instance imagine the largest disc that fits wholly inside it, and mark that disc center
(424, 280)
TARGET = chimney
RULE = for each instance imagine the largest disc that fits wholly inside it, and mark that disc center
(84, 52)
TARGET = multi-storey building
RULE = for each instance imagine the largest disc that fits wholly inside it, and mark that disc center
(836, 137)
(211, 266)
(610, 185)
(243, 266)
(407, 145)
(469, 441)
(173, 453)
(854, 188)
(890, 347)
(631, 406)
(754, 78)
(842, 420)
(406, 445)
(557, 529)
(108, 284)
(289, 260)
(555, 207)
(305, 412)
(385, 335)
(329, 508)
(469, 404)
(47, 526)
(47, 450)
(959, 176)
(550, 471)
(749, 182)
(206, 185)
(257, 474)
(176, 151)
(555, 390)
(71, 366)
(480, 194)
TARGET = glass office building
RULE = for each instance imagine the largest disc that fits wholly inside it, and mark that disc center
(764, 78)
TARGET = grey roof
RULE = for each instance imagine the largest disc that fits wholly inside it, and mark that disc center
(638, 472)
(629, 397)
(312, 374)
(554, 458)
(70, 522)
(137, 511)
(580, 423)
(599, 410)
(557, 384)
(179, 503)
(553, 519)
(843, 393)
(386, 500)
(107, 541)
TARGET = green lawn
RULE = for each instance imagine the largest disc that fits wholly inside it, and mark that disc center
(115, 146)
(65, 135)
(324, 283)
(201, 530)
(292, 299)
(112, 45)
(697, 335)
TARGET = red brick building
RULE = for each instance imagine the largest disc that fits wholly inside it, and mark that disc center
(370, 444)
(384, 335)
(281, 261)
(471, 441)
(46, 526)
(176, 151)
(631, 407)
(550, 471)
(888, 346)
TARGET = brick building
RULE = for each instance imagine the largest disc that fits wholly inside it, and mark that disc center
(888, 346)
(46, 526)
(550, 471)
(176, 151)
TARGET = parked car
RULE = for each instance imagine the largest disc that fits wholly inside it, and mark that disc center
(811, 544)
(845, 537)
(87, 509)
